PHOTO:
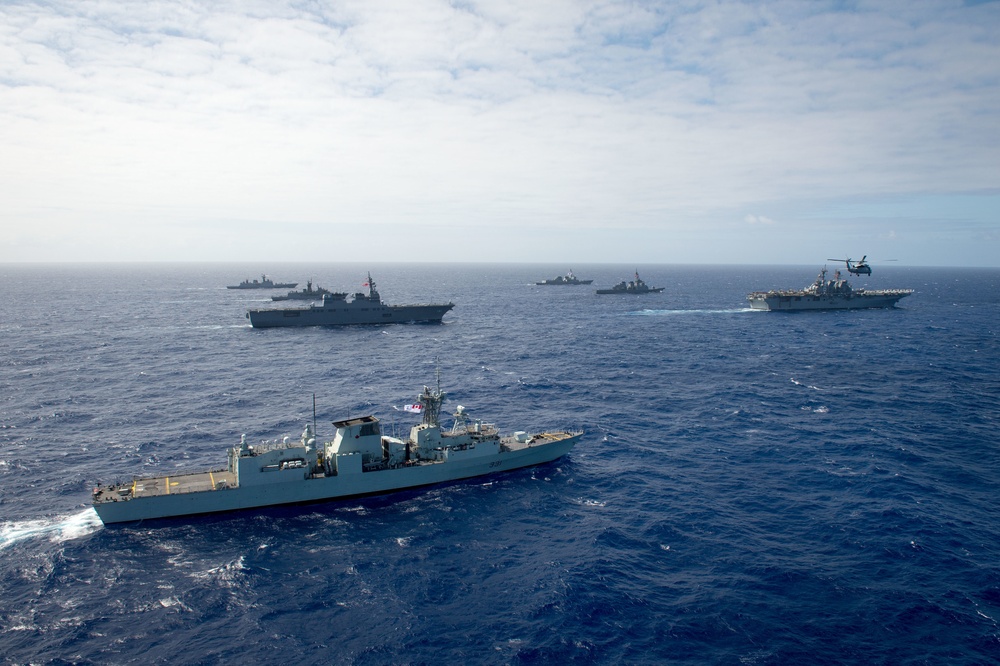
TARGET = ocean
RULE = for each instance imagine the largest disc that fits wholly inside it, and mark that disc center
(752, 488)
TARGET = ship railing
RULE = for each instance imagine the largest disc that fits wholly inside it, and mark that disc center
(779, 292)
(512, 442)
(273, 445)
(382, 465)
(884, 292)
(487, 429)
(119, 484)
(119, 491)
(474, 428)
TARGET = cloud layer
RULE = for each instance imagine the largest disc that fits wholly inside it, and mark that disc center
(159, 128)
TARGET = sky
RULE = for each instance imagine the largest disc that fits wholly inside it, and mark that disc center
(564, 131)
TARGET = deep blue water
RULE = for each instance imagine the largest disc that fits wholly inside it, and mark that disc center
(753, 488)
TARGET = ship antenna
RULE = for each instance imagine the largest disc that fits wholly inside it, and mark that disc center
(314, 414)
(431, 400)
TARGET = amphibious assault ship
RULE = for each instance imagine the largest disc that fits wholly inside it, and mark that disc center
(336, 310)
(823, 294)
(359, 460)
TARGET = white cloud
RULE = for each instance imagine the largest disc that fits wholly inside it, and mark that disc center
(570, 115)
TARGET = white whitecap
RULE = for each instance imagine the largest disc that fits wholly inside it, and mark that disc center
(57, 529)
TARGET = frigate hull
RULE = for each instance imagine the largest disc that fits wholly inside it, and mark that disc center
(358, 460)
(218, 494)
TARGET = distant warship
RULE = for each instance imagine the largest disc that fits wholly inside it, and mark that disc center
(336, 310)
(358, 460)
(636, 286)
(568, 279)
(263, 283)
(307, 294)
(823, 294)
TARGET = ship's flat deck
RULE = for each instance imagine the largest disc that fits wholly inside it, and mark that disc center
(183, 483)
(513, 444)
(167, 485)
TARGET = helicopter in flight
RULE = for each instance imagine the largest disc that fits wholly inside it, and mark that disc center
(856, 267)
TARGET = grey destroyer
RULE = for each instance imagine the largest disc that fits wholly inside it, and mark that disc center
(824, 294)
(263, 283)
(563, 280)
(636, 286)
(336, 310)
(307, 294)
(359, 460)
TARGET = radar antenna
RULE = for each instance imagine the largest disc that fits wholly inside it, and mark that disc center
(431, 401)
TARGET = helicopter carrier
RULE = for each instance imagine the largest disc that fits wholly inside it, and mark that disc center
(824, 294)
(336, 310)
(358, 460)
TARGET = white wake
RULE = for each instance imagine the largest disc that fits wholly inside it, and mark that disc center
(57, 529)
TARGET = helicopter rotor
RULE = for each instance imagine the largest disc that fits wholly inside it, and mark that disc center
(856, 267)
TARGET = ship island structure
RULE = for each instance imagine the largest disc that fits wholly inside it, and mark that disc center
(359, 460)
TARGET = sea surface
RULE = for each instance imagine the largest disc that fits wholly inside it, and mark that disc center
(752, 488)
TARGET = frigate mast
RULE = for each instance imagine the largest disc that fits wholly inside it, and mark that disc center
(373, 294)
(431, 400)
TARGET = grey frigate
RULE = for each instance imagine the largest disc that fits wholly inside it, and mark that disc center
(824, 294)
(358, 460)
(563, 280)
(336, 310)
(263, 283)
(307, 294)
